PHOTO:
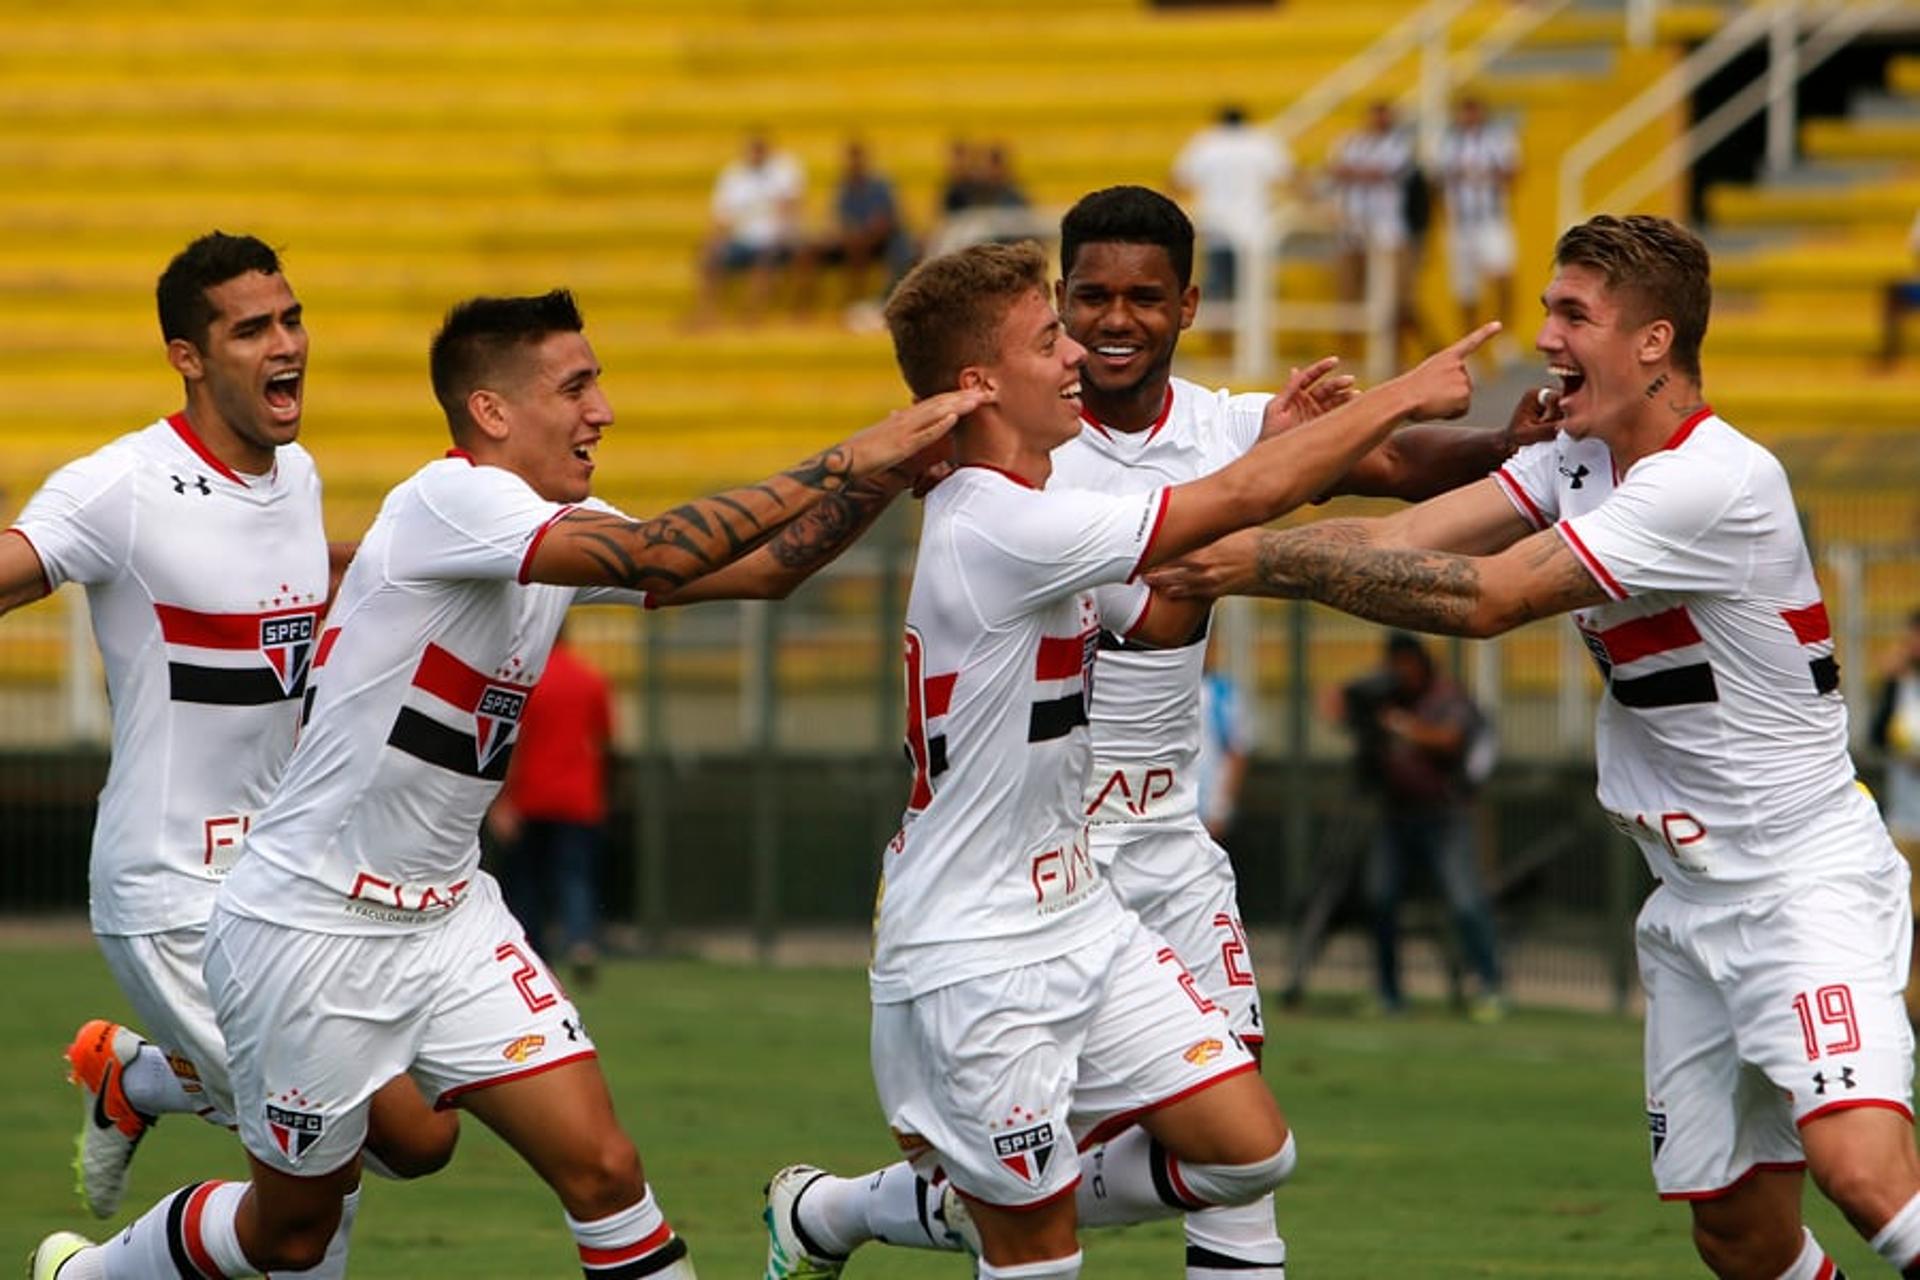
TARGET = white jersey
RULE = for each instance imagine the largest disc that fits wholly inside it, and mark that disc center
(1146, 703)
(1475, 166)
(990, 870)
(1722, 737)
(1230, 169)
(206, 589)
(431, 648)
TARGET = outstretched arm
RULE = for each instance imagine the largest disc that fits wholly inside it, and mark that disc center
(1338, 563)
(1283, 472)
(1420, 461)
(22, 581)
(666, 553)
(800, 549)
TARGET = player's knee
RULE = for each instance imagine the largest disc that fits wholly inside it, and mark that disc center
(1226, 1184)
(294, 1245)
(602, 1178)
(1745, 1254)
(423, 1148)
(1859, 1186)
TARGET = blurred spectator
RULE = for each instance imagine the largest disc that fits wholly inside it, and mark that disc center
(960, 190)
(755, 202)
(551, 815)
(1896, 732)
(1479, 159)
(1229, 171)
(1226, 743)
(982, 200)
(1902, 296)
(1421, 746)
(1373, 171)
(867, 230)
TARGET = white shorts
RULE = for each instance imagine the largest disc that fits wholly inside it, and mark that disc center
(1764, 1014)
(316, 1023)
(1200, 917)
(999, 1081)
(1476, 253)
(160, 974)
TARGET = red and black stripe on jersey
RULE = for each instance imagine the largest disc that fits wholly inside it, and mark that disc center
(1644, 637)
(1058, 660)
(1812, 628)
(1692, 683)
(494, 703)
(283, 638)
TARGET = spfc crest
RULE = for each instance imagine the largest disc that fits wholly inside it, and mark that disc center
(494, 719)
(287, 644)
(1026, 1151)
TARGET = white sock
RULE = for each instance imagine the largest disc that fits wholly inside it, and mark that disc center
(636, 1241)
(1124, 1181)
(1235, 1242)
(1051, 1269)
(153, 1088)
(1899, 1240)
(190, 1232)
(1813, 1262)
(893, 1205)
(334, 1265)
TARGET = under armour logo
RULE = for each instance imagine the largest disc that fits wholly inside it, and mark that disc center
(1820, 1080)
(199, 482)
(1576, 475)
(573, 1030)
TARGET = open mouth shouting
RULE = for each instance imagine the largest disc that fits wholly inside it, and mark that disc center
(282, 394)
(1572, 379)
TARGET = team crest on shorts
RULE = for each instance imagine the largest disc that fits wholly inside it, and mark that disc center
(1657, 1130)
(287, 643)
(523, 1048)
(493, 720)
(1026, 1151)
(294, 1131)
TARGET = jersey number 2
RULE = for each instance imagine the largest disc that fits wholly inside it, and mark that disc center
(523, 977)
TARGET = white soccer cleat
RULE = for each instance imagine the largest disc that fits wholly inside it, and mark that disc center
(110, 1128)
(44, 1263)
(788, 1257)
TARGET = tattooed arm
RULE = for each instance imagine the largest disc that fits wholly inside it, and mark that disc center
(800, 549)
(1337, 562)
(665, 553)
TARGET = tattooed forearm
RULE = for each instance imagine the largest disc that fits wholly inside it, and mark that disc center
(825, 531)
(1335, 563)
(829, 471)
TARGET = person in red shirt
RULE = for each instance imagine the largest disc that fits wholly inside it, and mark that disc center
(551, 815)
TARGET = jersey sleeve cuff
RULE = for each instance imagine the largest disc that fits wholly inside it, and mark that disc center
(1146, 549)
(1608, 583)
(539, 535)
(1521, 502)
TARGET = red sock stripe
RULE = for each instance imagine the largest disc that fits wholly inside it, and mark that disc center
(1179, 1184)
(591, 1257)
(190, 1231)
(1827, 1270)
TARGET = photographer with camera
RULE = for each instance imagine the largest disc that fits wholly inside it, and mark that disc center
(1421, 745)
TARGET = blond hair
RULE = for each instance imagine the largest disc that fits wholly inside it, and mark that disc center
(947, 313)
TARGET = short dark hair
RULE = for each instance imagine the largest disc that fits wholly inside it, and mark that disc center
(1128, 215)
(946, 314)
(480, 334)
(213, 259)
(1659, 267)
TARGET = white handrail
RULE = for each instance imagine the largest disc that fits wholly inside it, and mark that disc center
(1358, 72)
(1822, 43)
(1600, 142)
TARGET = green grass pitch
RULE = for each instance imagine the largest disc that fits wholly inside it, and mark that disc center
(1430, 1148)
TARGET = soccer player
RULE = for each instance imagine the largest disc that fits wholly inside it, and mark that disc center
(1019, 1008)
(200, 543)
(1127, 255)
(1774, 950)
(358, 939)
